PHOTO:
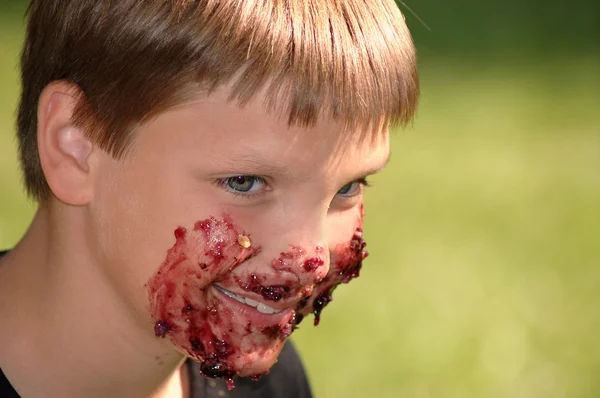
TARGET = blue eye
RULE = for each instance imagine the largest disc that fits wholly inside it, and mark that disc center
(244, 183)
(352, 189)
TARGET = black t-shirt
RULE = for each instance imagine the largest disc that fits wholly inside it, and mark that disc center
(286, 379)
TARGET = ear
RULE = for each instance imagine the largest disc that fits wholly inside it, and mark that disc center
(64, 149)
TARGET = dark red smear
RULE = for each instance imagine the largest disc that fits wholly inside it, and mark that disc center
(215, 250)
(177, 293)
(161, 328)
(271, 332)
(180, 233)
(286, 330)
(279, 332)
(214, 351)
(297, 320)
(254, 284)
(351, 261)
(288, 260)
(346, 264)
(313, 263)
(303, 302)
(212, 367)
(320, 302)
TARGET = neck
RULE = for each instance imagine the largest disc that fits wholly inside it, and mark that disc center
(70, 327)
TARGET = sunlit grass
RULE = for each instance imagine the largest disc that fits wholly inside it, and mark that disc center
(484, 233)
(15, 210)
(485, 240)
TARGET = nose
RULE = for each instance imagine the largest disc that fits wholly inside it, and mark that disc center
(300, 247)
(310, 264)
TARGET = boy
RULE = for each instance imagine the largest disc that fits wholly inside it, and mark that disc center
(199, 167)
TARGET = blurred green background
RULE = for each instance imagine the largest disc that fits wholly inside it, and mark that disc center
(484, 232)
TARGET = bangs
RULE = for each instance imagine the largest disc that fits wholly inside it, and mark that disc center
(350, 60)
(353, 61)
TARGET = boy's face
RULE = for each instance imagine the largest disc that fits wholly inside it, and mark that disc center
(224, 226)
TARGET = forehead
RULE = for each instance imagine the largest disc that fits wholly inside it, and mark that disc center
(214, 127)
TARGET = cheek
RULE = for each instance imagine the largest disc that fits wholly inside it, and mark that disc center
(197, 258)
(187, 310)
(124, 237)
(125, 215)
(345, 264)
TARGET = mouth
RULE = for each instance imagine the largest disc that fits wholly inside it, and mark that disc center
(232, 323)
(266, 323)
(260, 307)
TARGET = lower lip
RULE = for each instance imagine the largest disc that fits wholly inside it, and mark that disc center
(251, 315)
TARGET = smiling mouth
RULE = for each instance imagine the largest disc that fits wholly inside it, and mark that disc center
(260, 307)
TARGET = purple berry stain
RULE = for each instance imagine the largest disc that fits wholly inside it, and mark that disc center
(161, 328)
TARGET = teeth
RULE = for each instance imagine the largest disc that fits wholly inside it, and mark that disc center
(233, 296)
(250, 302)
(262, 308)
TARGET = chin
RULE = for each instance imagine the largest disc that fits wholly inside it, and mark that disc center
(251, 360)
(258, 363)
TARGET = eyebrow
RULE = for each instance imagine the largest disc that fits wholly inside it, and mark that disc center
(376, 170)
(253, 162)
(373, 170)
(384, 165)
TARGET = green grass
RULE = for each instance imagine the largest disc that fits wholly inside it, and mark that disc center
(485, 240)
(484, 233)
(15, 210)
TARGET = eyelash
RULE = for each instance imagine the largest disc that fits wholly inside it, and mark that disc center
(364, 184)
